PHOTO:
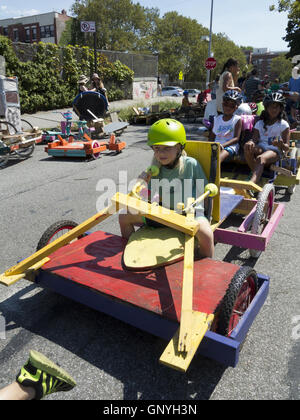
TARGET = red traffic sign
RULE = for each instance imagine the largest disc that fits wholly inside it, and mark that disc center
(210, 63)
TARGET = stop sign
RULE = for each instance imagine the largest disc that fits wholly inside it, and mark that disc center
(210, 63)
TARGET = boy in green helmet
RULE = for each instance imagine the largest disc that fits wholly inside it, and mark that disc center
(179, 178)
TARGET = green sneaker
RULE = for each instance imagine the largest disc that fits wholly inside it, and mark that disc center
(44, 376)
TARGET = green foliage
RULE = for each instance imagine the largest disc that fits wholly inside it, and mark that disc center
(282, 67)
(49, 81)
(293, 27)
(121, 24)
(125, 25)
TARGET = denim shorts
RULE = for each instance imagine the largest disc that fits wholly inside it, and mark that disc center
(266, 147)
(230, 150)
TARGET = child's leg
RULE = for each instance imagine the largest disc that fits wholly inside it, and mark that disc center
(16, 392)
(127, 222)
(265, 159)
(205, 238)
(250, 156)
(224, 154)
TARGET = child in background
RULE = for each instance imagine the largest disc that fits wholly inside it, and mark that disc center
(167, 138)
(227, 127)
(271, 137)
(81, 83)
(185, 100)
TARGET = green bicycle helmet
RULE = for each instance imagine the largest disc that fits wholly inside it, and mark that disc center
(166, 132)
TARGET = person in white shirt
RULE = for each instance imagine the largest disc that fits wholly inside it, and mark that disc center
(271, 137)
(227, 127)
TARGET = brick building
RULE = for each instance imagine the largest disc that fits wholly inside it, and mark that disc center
(261, 59)
(46, 27)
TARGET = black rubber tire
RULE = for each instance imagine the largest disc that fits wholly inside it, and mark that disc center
(26, 125)
(52, 230)
(293, 155)
(226, 308)
(261, 217)
(25, 152)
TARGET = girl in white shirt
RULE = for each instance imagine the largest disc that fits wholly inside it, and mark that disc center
(227, 127)
(271, 137)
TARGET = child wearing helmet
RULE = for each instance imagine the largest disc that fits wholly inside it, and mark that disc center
(271, 136)
(227, 127)
(179, 178)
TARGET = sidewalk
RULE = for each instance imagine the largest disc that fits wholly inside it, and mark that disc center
(51, 119)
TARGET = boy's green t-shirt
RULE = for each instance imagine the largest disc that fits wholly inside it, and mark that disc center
(174, 187)
(260, 108)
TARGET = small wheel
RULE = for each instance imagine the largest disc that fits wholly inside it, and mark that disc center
(291, 189)
(25, 152)
(294, 161)
(95, 144)
(26, 125)
(240, 293)
(7, 128)
(55, 231)
(3, 160)
(264, 209)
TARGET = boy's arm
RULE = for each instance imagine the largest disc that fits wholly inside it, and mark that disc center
(212, 135)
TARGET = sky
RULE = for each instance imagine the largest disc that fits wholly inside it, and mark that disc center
(246, 22)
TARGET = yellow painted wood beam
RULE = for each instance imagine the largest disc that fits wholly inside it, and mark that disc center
(38, 256)
(155, 212)
(29, 274)
(235, 183)
(175, 359)
(184, 343)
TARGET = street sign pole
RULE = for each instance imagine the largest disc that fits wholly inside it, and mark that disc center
(95, 51)
(210, 37)
(90, 26)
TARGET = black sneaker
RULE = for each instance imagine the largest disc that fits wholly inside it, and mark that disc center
(44, 376)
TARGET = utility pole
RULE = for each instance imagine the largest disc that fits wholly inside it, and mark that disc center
(210, 37)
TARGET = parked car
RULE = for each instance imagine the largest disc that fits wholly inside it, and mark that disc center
(193, 92)
(172, 91)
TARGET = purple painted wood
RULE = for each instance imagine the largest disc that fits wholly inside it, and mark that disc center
(248, 220)
(273, 222)
(242, 240)
(228, 203)
(248, 240)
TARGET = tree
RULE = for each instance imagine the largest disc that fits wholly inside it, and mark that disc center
(121, 24)
(293, 27)
(281, 68)
(177, 40)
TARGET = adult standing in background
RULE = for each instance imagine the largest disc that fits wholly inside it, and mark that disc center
(214, 87)
(159, 86)
(251, 85)
(228, 80)
(98, 86)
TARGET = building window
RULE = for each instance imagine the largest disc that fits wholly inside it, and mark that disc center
(5, 31)
(27, 34)
(33, 33)
(47, 31)
(16, 35)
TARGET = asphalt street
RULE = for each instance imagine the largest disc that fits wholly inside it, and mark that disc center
(109, 359)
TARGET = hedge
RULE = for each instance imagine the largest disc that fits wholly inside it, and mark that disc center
(49, 80)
